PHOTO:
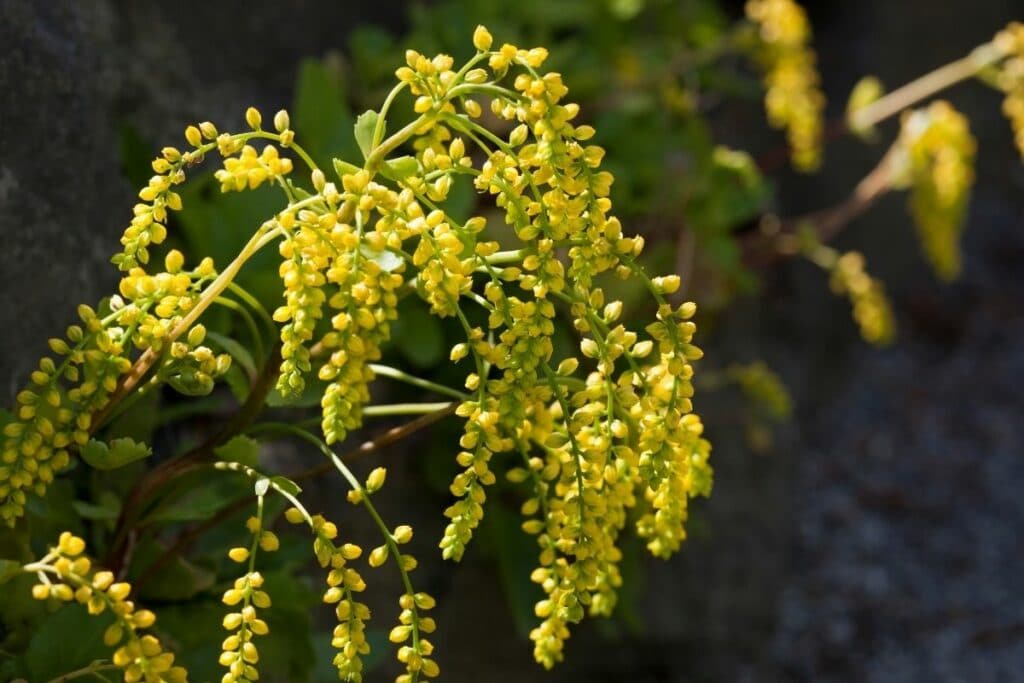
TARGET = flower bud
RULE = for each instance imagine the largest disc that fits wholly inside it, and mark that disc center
(253, 118)
(281, 121)
(376, 479)
(482, 39)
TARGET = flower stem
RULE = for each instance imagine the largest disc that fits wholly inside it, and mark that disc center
(396, 374)
(925, 86)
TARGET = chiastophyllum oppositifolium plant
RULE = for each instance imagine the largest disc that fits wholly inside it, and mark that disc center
(595, 434)
(473, 196)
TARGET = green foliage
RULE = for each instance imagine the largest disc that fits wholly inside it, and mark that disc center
(475, 245)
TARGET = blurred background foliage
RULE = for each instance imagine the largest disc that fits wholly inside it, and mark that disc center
(675, 91)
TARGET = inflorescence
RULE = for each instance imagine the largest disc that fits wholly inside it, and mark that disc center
(595, 434)
(793, 98)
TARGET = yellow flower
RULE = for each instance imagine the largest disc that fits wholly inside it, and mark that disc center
(793, 98)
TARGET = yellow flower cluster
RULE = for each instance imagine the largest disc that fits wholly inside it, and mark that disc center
(190, 368)
(239, 653)
(763, 387)
(1010, 42)
(55, 412)
(67, 574)
(871, 307)
(938, 165)
(343, 583)
(628, 428)
(793, 100)
(250, 169)
(365, 302)
(597, 441)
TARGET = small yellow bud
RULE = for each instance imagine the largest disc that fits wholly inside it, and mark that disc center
(193, 136)
(281, 121)
(378, 556)
(174, 261)
(208, 130)
(294, 515)
(459, 352)
(667, 284)
(482, 39)
(642, 349)
(119, 591)
(376, 479)
(196, 335)
(269, 541)
(40, 591)
(567, 366)
(239, 554)
(253, 118)
(589, 348)
(402, 534)
(112, 636)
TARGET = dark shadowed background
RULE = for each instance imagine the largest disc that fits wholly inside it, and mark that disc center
(880, 539)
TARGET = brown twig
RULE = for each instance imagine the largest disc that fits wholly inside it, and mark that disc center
(155, 479)
(389, 437)
(780, 238)
(187, 538)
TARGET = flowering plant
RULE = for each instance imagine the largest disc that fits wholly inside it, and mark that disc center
(600, 437)
(594, 438)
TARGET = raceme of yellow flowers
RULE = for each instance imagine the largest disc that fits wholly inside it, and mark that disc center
(936, 160)
(793, 99)
(871, 308)
(1010, 79)
(66, 574)
(595, 434)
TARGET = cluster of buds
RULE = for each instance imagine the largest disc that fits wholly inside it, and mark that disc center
(66, 574)
(1010, 79)
(793, 98)
(871, 308)
(936, 160)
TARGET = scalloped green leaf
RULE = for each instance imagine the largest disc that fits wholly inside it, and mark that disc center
(117, 453)
(241, 449)
(365, 125)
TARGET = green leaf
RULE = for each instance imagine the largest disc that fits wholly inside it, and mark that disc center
(400, 168)
(117, 453)
(387, 260)
(343, 168)
(176, 580)
(320, 113)
(199, 497)
(106, 508)
(8, 570)
(240, 449)
(419, 336)
(365, 125)
(286, 485)
(238, 352)
(67, 640)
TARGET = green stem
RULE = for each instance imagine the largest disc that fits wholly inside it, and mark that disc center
(378, 129)
(92, 670)
(396, 374)
(250, 324)
(404, 409)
